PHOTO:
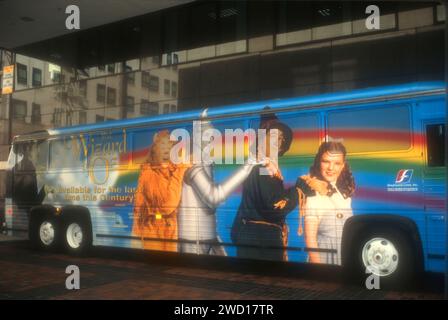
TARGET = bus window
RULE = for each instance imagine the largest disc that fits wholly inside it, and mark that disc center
(34, 153)
(305, 128)
(63, 155)
(105, 148)
(435, 142)
(39, 155)
(371, 130)
(143, 140)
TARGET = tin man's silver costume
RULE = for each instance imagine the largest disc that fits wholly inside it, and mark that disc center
(200, 197)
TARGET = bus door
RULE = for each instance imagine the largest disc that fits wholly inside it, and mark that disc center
(434, 188)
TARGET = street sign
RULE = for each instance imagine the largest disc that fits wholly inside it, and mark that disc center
(8, 79)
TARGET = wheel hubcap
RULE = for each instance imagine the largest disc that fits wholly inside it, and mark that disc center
(46, 233)
(380, 257)
(74, 235)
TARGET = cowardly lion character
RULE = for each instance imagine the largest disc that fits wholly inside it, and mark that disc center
(158, 196)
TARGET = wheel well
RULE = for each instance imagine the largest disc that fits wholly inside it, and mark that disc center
(357, 224)
(78, 212)
(66, 212)
(39, 211)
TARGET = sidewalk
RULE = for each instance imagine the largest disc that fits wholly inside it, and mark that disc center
(111, 273)
(4, 237)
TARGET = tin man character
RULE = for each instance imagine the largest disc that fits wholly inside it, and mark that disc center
(200, 198)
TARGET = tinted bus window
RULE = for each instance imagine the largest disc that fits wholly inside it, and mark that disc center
(39, 155)
(143, 140)
(34, 152)
(435, 141)
(305, 127)
(370, 130)
(104, 149)
(62, 154)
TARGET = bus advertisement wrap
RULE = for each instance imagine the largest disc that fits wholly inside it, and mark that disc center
(280, 182)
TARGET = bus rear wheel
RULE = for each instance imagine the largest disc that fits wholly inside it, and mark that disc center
(44, 233)
(77, 236)
(387, 254)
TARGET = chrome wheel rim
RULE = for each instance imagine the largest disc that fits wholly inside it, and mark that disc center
(46, 233)
(74, 235)
(380, 257)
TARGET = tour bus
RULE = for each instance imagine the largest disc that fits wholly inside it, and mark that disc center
(354, 178)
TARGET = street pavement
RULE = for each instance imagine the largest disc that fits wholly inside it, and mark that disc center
(112, 273)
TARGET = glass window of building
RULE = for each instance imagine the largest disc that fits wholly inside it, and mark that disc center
(130, 108)
(176, 33)
(56, 77)
(145, 79)
(35, 114)
(149, 108)
(37, 77)
(55, 73)
(174, 89)
(156, 60)
(83, 88)
(111, 96)
(130, 76)
(232, 21)
(20, 110)
(111, 68)
(203, 24)
(68, 119)
(57, 117)
(166, 87)
(166, 108)
(99, 118)
(173, 108)
(144, 105)
(100, 93)
(82, 117)
(154, 83)
(22, 74)
(441, 13)
(135, 64)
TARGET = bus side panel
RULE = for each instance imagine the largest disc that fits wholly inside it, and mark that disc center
(134, 200)
(84, 170)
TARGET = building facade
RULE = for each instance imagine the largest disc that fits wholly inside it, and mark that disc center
(206, 54)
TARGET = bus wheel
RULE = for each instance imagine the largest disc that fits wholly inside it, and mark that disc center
(384, 257)
(45, 233)
(77, 236)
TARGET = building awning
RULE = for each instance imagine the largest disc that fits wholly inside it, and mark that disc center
(110, 29)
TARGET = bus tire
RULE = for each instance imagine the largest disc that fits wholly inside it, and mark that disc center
(77, 235)
(385, 253)
(45, 232)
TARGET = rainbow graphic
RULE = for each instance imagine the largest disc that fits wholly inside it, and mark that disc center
(381, 138)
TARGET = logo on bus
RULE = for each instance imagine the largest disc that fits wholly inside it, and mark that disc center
(404, 176)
